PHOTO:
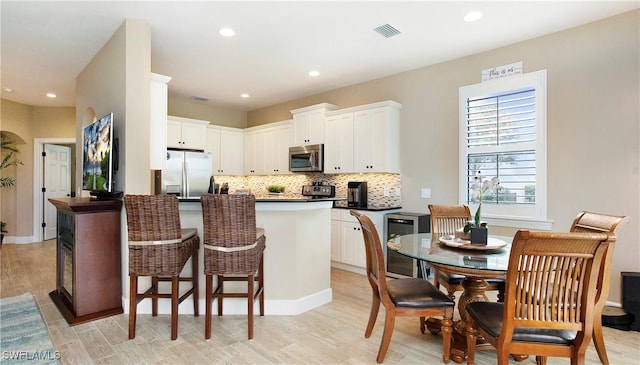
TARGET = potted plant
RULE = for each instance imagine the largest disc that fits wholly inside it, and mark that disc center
(275, 189)
(477, 228)
(8, 152)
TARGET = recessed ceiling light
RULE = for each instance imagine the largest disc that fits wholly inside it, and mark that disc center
(473, 16)
(51, 95)
(226, 32)
(7, 89)
(244, 95)
(314, 73)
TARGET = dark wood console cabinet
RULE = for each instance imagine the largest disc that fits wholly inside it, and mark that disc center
(88, 259)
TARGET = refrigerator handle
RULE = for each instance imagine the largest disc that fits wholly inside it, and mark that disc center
(185, 180)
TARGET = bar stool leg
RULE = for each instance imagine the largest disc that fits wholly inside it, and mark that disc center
(208, 305)
(133, 303)
(250, 299)
(175, 289)
(196, 285)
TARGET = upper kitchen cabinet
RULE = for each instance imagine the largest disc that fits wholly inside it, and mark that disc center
(185, 133)
(338, 144)
(277, 140)
(254, 151)
(364, 138)
(376, 138)
(158, 124)
(309, 124)
(226, 145)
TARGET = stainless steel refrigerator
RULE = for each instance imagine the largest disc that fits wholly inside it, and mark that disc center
(187, 174)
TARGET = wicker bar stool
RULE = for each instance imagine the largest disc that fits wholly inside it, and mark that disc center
(159, 248)
(234, 250)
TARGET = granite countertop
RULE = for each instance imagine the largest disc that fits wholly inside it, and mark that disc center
(343, 205)
(276, 199)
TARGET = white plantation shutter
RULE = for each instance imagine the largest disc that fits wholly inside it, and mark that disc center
(503, 135)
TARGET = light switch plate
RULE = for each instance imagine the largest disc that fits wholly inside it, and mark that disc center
(426, 193)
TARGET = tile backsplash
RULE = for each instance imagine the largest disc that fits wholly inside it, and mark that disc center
(376, 185)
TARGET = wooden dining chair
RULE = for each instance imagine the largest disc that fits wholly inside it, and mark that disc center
(159, 248)
(597, 222)
(401, 297)
(445, 220)
(233, 251)
(549, 298)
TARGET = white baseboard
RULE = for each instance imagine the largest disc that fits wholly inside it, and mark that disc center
(19, 240)
(234, 306)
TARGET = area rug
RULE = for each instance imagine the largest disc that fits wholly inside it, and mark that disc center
(24, 337)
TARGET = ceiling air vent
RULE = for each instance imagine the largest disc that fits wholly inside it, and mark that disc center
(200, 99)
(386, 30)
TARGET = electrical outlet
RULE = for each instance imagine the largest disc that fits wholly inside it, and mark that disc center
(386, 191)
(426, 193)
(398, 192)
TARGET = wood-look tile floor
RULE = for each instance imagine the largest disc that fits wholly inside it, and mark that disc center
(331, 334)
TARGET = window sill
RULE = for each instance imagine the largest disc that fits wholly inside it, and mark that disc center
(519, 222)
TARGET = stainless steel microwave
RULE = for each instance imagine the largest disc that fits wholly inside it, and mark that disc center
(308, 158)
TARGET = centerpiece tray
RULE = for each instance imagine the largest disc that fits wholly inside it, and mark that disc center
(492, 243)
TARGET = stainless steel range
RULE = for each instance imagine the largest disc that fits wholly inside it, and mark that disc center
(319, 191)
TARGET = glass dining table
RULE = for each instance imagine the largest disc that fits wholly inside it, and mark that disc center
(475, 262)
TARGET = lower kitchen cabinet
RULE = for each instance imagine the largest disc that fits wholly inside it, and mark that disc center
(347, 242)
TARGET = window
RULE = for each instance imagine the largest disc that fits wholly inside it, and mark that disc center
(503, 135)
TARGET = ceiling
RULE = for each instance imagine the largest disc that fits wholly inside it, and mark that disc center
(45, 45)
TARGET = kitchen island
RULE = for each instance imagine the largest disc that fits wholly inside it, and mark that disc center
(297, 258)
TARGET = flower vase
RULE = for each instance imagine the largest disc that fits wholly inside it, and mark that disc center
(479, 235)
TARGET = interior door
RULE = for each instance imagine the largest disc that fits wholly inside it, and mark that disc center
(57, 183)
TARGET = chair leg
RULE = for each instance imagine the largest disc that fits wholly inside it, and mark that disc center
(220, 291)
(250, 304)
(133, 304)
(194, 282)
(389, 322)
(373, 315)
(154, 300)
(423, 324)
(207, 310)
(261, 285)
(472, 337)
(175, 291)
(598, 340)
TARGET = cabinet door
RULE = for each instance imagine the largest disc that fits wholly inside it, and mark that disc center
(317, 123)
(254, 153)
(231, 152)
(193, 136)
(174, 134)
(213, 146)
(376, 140)
(338, 144)
(270, 136)
(301, 129)
(352, 244)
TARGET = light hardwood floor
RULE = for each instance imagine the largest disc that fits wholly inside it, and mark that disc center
(331, 334)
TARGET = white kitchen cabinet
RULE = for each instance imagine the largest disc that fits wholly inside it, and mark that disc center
(338, 144)
(376, 139)
(254, 152)
(347, 242)
(158, 122)
(185, 133)
(309, 124)
(277, 141)
(226, 146)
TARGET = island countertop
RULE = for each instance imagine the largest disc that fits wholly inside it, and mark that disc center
(277, 198)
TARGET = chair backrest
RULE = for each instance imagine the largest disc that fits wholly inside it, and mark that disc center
(551, 280)
(229, 219)
(152, 217)
(597, 222)
(376, 272)
(446, 219)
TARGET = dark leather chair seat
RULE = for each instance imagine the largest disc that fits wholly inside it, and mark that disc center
(417, 293)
